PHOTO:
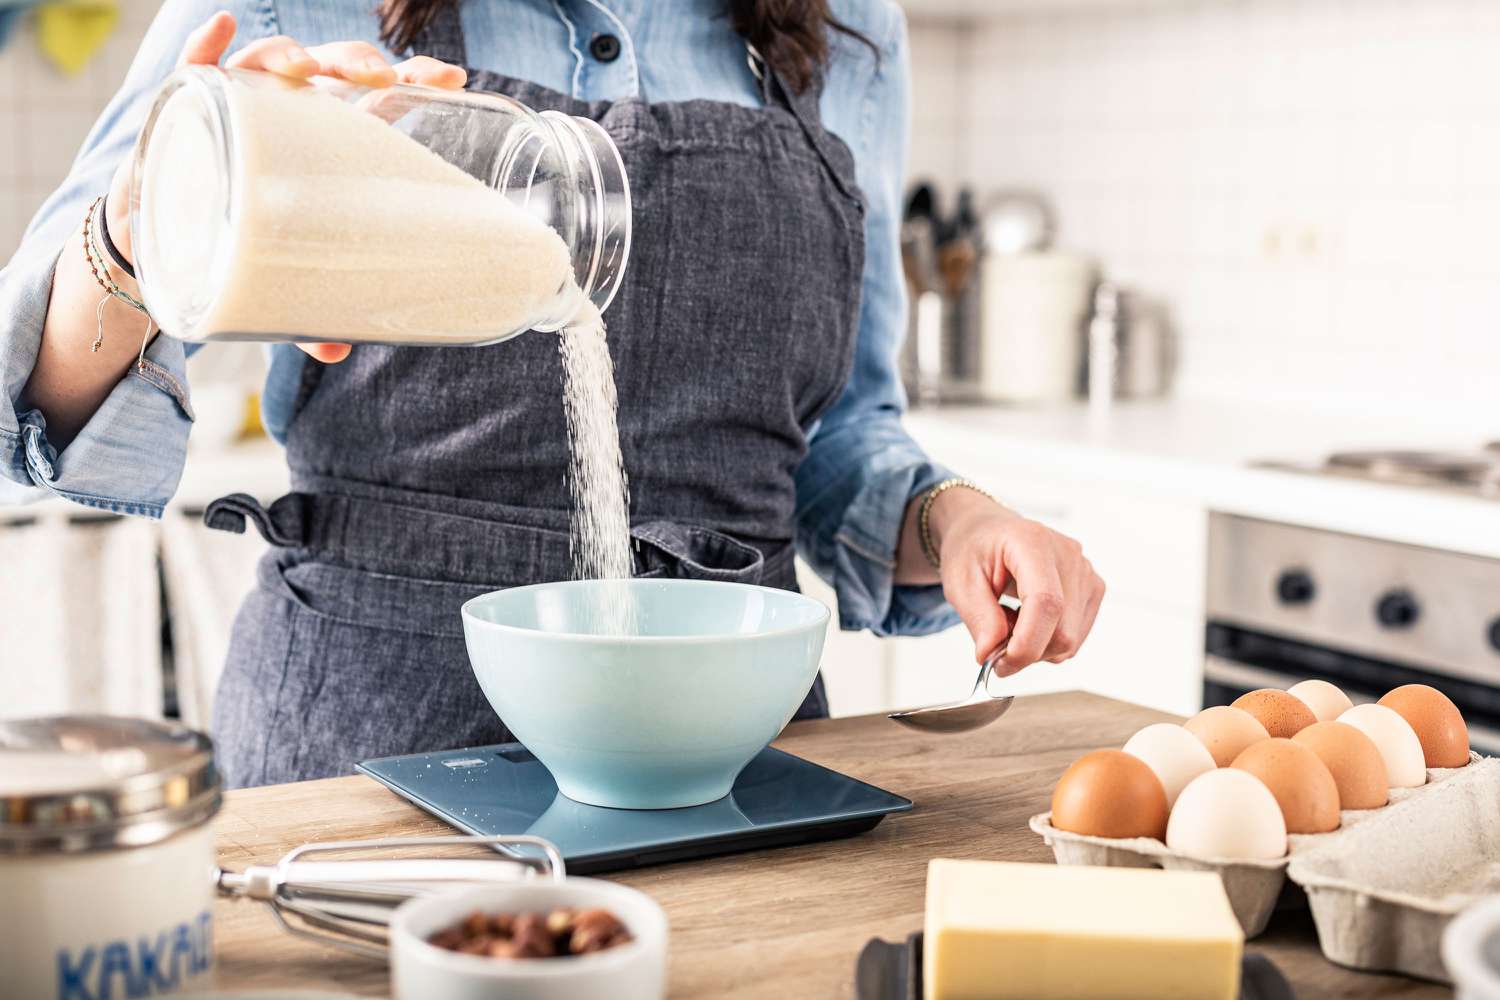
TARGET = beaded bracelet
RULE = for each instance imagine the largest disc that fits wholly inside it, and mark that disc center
(92, 222)
(924, 514)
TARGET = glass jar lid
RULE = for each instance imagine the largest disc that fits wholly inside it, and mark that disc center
(90, 782)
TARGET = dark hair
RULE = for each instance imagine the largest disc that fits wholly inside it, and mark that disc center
(791, 35)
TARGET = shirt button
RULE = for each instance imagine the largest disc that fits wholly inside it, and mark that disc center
(605, 48)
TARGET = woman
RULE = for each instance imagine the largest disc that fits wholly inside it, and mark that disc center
(754, 342)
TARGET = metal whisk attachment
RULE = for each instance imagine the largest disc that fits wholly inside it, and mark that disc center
(348, 902)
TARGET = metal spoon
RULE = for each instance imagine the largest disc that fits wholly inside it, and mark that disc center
(979, 709)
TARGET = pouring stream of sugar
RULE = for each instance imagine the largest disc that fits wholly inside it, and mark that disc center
(419, 251)
(600, 533)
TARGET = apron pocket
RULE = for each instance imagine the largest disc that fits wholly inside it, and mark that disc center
(370, 600)
(690, 553)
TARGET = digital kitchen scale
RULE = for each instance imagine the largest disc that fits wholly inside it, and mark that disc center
(778, 799)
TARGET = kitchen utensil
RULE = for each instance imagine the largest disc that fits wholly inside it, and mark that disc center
(1129, 348)
(958, 247)
(659, 719)
(1033, 314)
(103, 823)
(979, 709)
(1016, 222)
(929, 347)
(922, 350)
(919, 239)
(777, 799)
(958, 255)
(1104, 348)
(269, 995)
(347, 903)
(888, 970)
(632, 971)
(1471, 951)
(1146, 349)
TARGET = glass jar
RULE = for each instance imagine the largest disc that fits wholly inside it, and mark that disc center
(264, 208)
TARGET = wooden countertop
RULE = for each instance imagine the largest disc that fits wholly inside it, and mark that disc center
(784, 923)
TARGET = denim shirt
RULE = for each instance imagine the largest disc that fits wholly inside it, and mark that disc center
(862, 468)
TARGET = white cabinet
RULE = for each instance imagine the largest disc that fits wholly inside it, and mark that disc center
(856, 665)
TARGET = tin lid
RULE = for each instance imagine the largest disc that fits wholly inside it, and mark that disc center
(90, 782)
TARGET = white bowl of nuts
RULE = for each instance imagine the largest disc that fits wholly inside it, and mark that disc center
(574, 939)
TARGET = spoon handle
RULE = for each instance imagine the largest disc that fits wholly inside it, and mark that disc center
(987, 670)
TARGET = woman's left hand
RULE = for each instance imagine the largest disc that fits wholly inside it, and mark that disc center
(987, 550)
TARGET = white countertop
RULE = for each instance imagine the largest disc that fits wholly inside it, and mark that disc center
(1198, 451)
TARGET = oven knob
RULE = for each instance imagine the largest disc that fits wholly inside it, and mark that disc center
(1295, 586)
(1397, 609)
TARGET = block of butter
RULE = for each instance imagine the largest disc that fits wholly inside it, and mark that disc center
(997, 931)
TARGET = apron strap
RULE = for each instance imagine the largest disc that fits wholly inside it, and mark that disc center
(443, 36)
(804, 107)
(279, 525)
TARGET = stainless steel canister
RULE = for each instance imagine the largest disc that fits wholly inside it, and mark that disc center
(106, 857)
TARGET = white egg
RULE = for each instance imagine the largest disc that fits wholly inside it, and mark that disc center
(1393, 736)
(1326, 701)
(1175, 755)
(1227, 813)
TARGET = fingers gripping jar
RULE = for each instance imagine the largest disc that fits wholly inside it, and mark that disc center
(264, 208)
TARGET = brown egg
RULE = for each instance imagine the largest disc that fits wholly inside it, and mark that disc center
(1354, 761)
(1283, 715)
(1301, 783)
(1109, 793)
(1436, 720)
(1226, 732)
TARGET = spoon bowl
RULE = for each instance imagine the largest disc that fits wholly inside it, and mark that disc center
(978, 710)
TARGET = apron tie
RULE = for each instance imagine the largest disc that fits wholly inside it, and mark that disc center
(281, 525)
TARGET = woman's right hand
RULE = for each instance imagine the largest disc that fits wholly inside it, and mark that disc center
(357, 62)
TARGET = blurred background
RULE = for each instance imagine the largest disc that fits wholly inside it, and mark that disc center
(1211, 286)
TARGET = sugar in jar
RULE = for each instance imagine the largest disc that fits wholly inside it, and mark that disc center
(264, 208)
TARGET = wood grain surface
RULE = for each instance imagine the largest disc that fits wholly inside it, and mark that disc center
(784, 923)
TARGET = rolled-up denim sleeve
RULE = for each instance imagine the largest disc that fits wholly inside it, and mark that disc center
(128, 458)
(862, 468)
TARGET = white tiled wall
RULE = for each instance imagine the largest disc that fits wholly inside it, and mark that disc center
(941, 100)
(1313, 184)
(44, 114)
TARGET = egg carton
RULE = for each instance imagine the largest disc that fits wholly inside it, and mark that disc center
(1254, 886)
(1382, 895)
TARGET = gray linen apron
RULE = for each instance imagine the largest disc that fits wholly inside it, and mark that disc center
(424, 477)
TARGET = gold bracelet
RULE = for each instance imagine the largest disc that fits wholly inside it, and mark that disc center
(924, 513)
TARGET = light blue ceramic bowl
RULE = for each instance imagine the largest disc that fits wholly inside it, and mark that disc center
(664, 718)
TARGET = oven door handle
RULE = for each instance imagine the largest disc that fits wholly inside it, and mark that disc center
(1239, 675)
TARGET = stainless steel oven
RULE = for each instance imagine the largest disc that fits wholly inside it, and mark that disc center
(1285, 603)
